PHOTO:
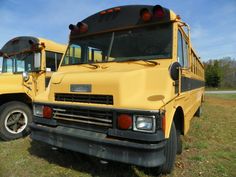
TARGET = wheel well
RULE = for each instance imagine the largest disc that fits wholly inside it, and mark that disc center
(179, 120)
(22, 97)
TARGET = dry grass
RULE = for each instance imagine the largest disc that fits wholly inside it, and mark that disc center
(209, 151)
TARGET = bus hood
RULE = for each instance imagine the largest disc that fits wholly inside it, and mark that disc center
(11, 83)
(140, 88)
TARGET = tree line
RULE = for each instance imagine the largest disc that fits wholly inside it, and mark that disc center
(220, 73)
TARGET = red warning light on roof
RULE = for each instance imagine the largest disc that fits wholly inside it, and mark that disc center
(145, 15)
(158, 11)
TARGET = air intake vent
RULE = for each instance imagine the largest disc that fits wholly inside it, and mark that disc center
(85, 98)
(83, 117)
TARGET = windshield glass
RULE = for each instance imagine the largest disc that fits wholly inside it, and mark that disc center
(20, 62)
(153, 42)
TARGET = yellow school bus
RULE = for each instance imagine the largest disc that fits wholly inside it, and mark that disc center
(126, 90)
(27, 65)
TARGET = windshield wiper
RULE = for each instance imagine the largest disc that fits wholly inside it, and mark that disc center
(146, 61)
(91, 64)
(94, 65)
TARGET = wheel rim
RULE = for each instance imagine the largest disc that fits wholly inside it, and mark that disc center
(16, 121)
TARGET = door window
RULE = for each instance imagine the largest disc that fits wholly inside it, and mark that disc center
(52, 60)
(180, 49)
(185, 47)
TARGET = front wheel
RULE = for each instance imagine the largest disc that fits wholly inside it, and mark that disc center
(170, 151)
(14, 120)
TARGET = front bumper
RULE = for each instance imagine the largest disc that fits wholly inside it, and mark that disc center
(99, 145)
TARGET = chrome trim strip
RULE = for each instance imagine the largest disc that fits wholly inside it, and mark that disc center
(82, 121)
(56, 114)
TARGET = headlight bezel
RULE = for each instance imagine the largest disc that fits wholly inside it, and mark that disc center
(150, 117)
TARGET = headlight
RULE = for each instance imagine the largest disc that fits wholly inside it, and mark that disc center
(38, 110)
(144, 123)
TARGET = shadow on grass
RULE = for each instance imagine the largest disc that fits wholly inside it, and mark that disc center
(81, 163)
(1, 140)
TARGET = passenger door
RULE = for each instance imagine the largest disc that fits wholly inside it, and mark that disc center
(53, 60)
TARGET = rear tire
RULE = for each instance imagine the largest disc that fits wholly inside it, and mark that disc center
(179, 142)
(199, 111)
(15, 117)
(170, 151)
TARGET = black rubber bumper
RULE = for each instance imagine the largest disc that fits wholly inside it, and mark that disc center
(98, 145)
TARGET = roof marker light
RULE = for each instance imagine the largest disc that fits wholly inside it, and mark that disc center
(117, 9)
(110, 11)
(103, 12)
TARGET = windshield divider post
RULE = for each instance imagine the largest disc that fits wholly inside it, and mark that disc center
(110, 46)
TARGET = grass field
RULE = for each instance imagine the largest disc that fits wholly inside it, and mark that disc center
(209, 151)
(219, 89)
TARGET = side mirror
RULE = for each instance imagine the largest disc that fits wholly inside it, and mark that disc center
(174, 70)
(1, 53)
(25, 76)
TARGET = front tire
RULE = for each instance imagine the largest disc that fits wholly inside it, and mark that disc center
(15, 117)
(170, 151)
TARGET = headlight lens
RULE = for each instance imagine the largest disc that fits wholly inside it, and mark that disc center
(144, 123)
(38, 110)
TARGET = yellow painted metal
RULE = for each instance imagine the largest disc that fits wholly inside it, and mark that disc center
(134, 85)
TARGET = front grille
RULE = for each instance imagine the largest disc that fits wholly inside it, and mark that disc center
(85, 98)
(84, 117)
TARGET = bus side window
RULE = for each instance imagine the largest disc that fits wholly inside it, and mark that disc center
(180, 49)
(52, 61)
(185, 46)
(7, 66)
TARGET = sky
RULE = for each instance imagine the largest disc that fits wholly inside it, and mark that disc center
(212, 22)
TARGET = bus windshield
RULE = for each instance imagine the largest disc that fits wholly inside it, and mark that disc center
(149, 43)
(20, 62)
